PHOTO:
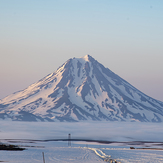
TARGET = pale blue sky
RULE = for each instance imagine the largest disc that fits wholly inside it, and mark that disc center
(37, 36)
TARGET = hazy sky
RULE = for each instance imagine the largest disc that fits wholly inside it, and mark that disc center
(37, 36)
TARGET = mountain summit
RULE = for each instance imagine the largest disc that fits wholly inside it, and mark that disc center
(81, 89)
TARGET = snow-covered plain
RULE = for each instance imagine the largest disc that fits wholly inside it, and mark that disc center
(28, 133)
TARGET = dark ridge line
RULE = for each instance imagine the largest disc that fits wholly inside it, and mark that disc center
(86, 140)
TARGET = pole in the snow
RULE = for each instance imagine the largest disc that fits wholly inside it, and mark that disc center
(69, 140)
(43, 157)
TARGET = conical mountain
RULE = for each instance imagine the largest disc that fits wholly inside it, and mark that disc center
(81, 89)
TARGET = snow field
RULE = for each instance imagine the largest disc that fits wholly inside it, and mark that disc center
(28, 134)
(52, 154)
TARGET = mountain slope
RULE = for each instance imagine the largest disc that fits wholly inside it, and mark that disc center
(81, 89)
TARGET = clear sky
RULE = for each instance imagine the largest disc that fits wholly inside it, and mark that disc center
(37, 36)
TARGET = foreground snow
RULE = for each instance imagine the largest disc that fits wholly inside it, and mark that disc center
(60, 153)
(28, 133)
(52, 154)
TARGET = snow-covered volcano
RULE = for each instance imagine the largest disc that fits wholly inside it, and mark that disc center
(81, 89)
